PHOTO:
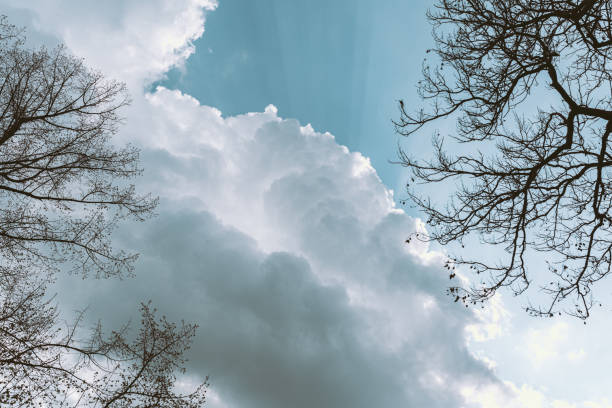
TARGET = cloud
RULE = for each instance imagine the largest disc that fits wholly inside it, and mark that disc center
(131, 40)
(493, 321)
(543, 345)
(289, 252)
(525, 396)
(576, 355)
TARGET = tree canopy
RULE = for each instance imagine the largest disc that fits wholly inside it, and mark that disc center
(529, 86)
(64, 186)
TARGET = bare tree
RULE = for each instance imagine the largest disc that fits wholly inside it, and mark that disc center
(63, 188)
(58, 169)
(529, 85)
(44, 364)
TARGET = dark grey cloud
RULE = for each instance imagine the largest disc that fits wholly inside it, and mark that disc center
(271, 333)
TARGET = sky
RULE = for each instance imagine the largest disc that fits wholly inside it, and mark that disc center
(339, 65)
(265, 129)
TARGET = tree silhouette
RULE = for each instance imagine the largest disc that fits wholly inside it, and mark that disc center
(529, 85)
(63, 188)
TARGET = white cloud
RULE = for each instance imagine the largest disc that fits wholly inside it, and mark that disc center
(509, 395)
(604, 403)
(293, 262)
(135, 41)
(493, 321)
(576, 355)
(544, 345)
(563, 404)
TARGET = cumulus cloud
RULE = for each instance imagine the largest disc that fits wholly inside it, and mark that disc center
(289, 252)
(132, 40)
(544, 345)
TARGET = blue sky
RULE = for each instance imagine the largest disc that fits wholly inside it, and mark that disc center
(284, 245)
(339, 65)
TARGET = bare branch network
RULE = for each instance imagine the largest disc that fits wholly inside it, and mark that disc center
(533, 78)
(63, 188)
(57, 167)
